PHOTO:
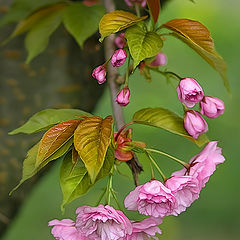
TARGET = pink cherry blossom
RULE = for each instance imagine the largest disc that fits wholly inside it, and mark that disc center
(99, 73)
(130, 3)
(151, 199)
(102, 223)
(160, 60)
(123, 97)
(203, 165)
(119, 58)
(185, 190)
(194, 123)
(212, 107)
(189, 92)
(65, 230)
(145, 229)
(120, 40)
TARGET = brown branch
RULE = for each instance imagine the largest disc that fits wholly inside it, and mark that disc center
(109, 46)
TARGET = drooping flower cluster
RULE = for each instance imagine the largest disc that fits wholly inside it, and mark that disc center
(189, 92)
(153, 199)
(103, 223)
(159, 199)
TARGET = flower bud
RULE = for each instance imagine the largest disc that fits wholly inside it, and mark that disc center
(123, 97)
(120, 40)
(189, 92)
(130, 3)
(194, 123)
(212, 107)
(90, 2)
(119, 58)
(160, 60)
(99, 73)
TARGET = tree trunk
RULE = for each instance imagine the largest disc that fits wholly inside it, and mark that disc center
(58, 78)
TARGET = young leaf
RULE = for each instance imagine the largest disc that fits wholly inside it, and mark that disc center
(116, 21)
(142, 43)
(29, 164)
(36, 17)
(37, 38)
(197, 36)
(55, 138)
(154, 6)
(91, 140)
(163, 118)
(75, 182)
(82, 21)
(20, 9)
(47, 118)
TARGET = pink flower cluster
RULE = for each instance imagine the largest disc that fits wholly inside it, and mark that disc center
(189, 93)
(154, 199)
(157, 199)
(103, 223)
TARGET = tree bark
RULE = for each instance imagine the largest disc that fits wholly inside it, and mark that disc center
(58, 78)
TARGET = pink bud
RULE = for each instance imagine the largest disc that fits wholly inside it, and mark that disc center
(120, 41)
(130, 3)
(189, 92)
(119, 58)
(160, 60)
(194, 124)
(212, 107)
(99, 73)
(123, 97)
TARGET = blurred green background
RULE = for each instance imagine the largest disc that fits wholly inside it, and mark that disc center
(216, 214)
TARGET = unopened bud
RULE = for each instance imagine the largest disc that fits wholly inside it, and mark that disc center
(123, 97)
(194, 123)
(119, 58)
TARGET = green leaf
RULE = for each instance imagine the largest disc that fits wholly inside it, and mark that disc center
(47, 118)
(116, 21)
(20, 9)
(142, 43)
(37, 38)
(91, 140)
(75, 182)
(29, 164)
(197, 36)
(163, 118)
(82, 21)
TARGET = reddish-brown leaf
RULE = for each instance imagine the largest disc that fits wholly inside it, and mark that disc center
(154, 6)
(55, 137)
(197, 36)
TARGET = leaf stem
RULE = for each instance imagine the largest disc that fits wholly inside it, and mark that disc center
(137, 9)
(101, 196)
(156, 166)
(116, 200)
(166, 73)
(186, 165)
(109, 187)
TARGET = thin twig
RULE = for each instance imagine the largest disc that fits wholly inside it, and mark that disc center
(109, 46)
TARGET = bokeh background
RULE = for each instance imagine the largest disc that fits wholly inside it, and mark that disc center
(215, 216)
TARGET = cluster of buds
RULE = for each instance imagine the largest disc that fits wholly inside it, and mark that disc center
(118, 59)
(189, 93)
